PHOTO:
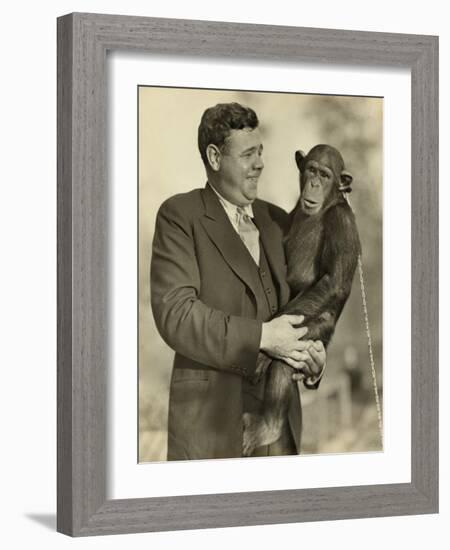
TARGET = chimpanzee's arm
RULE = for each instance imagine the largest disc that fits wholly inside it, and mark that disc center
(322, 303)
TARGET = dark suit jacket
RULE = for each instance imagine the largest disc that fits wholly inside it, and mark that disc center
(205, 309)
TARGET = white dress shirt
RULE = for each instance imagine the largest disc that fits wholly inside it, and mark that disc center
(231, 209)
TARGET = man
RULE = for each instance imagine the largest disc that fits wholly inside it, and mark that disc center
(217, 279)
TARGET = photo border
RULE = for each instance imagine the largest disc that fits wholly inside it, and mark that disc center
(84, 239)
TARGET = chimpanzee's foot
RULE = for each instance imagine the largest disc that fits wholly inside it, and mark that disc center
(257, 432)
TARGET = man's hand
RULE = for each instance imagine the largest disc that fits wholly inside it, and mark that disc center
(313, 362)
(281, 340)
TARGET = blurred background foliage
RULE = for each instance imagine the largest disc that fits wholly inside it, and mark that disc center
(341, 416)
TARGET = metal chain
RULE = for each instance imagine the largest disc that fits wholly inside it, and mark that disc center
(369, 339)
(369, 345)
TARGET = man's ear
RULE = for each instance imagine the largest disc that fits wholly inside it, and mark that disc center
(214, 156)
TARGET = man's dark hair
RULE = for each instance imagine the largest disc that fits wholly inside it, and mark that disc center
(217, 123)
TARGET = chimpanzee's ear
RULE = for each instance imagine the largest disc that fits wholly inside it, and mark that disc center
(300, 159)
(346, 182)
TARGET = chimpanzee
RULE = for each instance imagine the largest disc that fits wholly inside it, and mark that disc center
(322, 248)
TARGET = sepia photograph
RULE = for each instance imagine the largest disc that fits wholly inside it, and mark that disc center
(260, 291)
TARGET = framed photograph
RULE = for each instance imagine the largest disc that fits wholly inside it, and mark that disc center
(204, 178)
(345, 415)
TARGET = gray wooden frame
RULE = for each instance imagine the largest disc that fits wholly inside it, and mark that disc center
(83, 41)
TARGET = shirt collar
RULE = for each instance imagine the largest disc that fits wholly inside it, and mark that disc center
(230, 208)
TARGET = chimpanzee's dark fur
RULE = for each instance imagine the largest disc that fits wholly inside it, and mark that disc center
(322, 253)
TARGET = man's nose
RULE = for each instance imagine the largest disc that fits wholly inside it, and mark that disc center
(259, 163)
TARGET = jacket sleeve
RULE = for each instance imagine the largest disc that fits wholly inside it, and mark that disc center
(189, 326)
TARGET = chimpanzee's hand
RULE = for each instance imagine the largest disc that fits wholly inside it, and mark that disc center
(312, 364)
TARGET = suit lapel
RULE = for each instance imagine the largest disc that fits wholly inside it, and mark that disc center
(227, 241)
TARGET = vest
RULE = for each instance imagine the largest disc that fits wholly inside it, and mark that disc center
(265, 289)
(267, 306)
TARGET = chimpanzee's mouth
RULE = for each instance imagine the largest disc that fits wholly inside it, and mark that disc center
(309, 204)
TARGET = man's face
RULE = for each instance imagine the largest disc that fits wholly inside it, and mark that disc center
(240, 166)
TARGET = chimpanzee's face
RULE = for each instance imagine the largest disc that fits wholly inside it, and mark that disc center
(317, 181)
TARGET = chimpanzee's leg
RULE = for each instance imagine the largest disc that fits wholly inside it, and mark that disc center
(266, 428)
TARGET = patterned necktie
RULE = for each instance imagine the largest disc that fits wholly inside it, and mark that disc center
(249, 233)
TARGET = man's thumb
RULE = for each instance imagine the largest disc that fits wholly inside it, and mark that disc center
(295, 319)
